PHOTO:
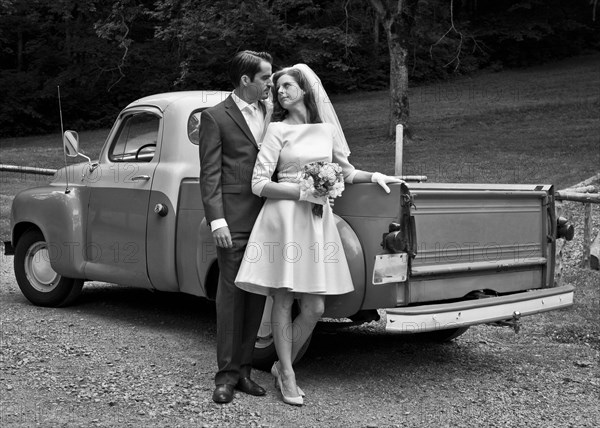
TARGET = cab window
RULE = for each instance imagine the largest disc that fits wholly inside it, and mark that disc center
(193, 126)
(136, 138)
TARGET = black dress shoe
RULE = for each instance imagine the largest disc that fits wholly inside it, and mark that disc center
(248, 386)
(223, 394)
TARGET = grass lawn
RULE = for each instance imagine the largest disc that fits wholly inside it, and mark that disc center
(535, 125)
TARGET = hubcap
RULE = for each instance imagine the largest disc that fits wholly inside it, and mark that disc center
(40, 274)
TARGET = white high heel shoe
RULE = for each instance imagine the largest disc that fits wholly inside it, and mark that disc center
(294, 401)
(275, 374)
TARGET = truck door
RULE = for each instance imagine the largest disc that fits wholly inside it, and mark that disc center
(119, 199)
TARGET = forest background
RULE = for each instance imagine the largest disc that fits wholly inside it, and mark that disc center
(104, 54)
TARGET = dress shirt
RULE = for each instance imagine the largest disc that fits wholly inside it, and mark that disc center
(253, 115)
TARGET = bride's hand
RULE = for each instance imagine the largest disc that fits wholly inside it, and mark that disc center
(383, 179)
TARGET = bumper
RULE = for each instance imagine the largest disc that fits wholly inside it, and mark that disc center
(419, 319)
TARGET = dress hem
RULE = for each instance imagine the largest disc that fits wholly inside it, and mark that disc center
(269, 290)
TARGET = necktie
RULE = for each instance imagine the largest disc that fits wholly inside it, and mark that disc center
(254, 122)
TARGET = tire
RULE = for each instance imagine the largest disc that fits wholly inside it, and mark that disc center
(38, 282)
(440, 335)
(264, 348)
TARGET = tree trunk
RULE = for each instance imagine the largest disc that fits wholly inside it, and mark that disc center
(399, 106)
(68, 36)
(68, 41)
(398, 26)
(19, 49)
(376, 24)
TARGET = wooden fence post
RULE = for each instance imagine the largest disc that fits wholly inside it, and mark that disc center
(560, 243)
(399, 148)
(587, 235)
(595, 253)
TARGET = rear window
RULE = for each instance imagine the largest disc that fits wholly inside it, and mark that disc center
(193, 126)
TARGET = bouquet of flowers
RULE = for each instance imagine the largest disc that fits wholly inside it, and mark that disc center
(322, 179)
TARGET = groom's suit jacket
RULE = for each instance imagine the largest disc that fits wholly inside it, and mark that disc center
(228, 152)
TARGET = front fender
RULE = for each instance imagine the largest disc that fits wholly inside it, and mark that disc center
(61, 218)
(348, 304)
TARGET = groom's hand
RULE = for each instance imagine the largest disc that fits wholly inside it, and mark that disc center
(222, 237)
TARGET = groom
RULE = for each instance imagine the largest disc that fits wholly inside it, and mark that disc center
(230, 134)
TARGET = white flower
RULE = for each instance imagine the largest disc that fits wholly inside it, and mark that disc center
(308, 184)
(337, 189)
(328, 173)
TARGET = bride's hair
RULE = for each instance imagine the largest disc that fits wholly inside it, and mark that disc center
(279, 113)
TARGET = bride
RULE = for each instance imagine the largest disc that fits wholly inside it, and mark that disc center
(291, 252)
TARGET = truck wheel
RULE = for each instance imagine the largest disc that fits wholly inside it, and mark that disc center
(440, 335)
(37, 280)
(264, 348)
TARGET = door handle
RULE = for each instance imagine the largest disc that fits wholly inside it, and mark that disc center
(140, 178)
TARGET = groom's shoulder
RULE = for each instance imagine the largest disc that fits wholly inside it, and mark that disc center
(217, 111)
(222, 105)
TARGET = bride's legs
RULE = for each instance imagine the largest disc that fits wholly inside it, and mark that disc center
(283, 334)
(312, 307)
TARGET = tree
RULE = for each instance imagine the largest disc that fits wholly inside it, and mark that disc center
(206, 33)
(398, 20)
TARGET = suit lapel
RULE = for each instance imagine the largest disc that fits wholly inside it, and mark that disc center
(234, 112)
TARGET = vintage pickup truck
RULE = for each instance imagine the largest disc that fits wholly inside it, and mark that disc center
(436, 258)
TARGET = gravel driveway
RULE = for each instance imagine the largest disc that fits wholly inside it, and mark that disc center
(128, 357)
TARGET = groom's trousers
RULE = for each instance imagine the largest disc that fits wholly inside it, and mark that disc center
(239, 314)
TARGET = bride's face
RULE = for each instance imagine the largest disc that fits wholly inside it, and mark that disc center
(289, 92)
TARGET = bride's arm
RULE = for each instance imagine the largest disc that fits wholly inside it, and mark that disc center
(266, 163)
(362, 176)
(281, 191)
(353, 175)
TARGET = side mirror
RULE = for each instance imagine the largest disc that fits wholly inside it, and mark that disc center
(71, 143)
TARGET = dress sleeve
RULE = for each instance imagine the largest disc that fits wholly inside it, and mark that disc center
(267, 159)
(341, 159)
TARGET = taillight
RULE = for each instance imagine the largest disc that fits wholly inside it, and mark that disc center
(564, 229)
(401, 238)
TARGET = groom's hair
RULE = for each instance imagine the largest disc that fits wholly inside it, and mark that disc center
(247, 63)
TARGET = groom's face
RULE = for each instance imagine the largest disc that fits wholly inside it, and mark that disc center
(259, 87)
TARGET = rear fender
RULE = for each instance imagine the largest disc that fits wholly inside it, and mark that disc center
(350, 303)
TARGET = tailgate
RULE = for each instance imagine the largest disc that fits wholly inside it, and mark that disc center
(480, 237)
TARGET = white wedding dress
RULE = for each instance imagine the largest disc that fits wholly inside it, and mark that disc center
(290, 247)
